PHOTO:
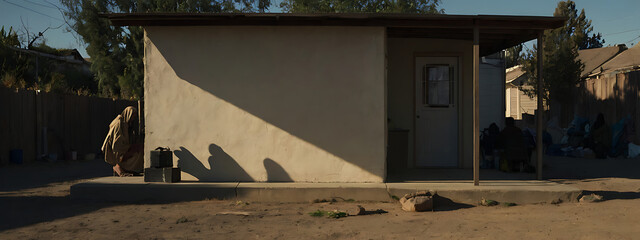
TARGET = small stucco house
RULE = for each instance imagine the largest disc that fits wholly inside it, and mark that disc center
(312, 97)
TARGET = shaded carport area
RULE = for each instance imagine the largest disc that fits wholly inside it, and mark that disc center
(489, 34)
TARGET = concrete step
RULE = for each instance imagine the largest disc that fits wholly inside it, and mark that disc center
(134, 189)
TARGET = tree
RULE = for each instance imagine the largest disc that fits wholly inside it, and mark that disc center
(371, 6)
(9, 38)
(561, 68)
(116, 52)
(512, 56)
(13, 64)
(578, 26)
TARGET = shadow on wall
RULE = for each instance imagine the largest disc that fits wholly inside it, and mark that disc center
(293, 94)
(275, 172)
(222, 166)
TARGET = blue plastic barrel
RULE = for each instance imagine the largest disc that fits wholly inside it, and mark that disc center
(15, 156)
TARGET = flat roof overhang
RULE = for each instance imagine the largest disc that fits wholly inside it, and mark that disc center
(497, 32)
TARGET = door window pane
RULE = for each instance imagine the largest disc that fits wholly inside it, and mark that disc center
(437, 85)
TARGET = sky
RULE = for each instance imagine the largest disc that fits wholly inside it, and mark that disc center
(617, 20)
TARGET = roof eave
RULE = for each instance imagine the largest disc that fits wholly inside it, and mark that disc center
(344, 19)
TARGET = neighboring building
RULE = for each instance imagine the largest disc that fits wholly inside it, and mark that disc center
(594, 58)
(518, 103)
(624, 62)
(307, 98)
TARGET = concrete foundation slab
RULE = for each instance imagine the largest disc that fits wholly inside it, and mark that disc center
(303, 192)
(134, 189)
(513, 191)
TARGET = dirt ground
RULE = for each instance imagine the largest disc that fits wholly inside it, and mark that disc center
(39, 208)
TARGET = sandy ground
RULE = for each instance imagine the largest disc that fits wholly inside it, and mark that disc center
(41, 209)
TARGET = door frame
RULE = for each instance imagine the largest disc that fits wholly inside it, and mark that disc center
(458, 98)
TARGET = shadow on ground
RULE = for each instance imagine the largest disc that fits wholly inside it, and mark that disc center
(554, 168)
(443, 204)
(584, 168)
(613, 195)
(38, 174)
(20, 211)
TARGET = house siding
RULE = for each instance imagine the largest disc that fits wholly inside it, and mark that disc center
(304, 104)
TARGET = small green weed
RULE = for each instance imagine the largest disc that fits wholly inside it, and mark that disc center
(336, 214)
(317, 213)
(329, 214)
(488, 202)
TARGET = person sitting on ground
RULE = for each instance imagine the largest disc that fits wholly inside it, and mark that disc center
(515, 151)
(600, 137)
(122, 147)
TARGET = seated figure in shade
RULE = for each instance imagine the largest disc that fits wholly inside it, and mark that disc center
(511, 140)
(600, 139)
(123, 145)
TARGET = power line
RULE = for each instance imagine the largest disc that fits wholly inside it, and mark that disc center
(632, 40)
(20, 6)
(56, 6)
(76, 35)
(609, 34)
(39, 4)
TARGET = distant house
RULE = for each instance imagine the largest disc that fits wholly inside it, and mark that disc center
(312, 97)
(63, 59)
(518, 103)
(594, 59)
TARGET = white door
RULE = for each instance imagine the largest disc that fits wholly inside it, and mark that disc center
(436, 111)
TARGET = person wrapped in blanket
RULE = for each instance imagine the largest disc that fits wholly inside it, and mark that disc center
(123, 147)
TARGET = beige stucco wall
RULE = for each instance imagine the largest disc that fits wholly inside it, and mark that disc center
(401, 110)
(268, 103)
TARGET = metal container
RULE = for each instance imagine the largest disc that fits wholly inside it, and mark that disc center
(161, 158)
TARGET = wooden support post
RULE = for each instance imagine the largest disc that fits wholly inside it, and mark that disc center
(476, 104)
(140, 114)
(540, 114)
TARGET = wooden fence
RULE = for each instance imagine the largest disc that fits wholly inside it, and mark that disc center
(616, 96)
(41, 124)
